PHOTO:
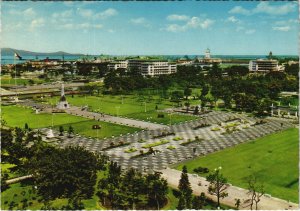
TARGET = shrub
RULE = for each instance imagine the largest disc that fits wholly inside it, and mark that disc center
(200, 169)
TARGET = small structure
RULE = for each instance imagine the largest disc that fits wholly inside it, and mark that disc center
(50, 134)
(62, 104)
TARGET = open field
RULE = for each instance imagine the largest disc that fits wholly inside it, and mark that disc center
(17, 116)
(273, 159)
(132, 107)
(18, 192)
(7, 80)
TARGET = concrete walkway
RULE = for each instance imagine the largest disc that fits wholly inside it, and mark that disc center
(18, 179)
(266, 203)
(73, 110)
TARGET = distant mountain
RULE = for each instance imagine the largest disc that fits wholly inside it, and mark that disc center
(10, 51)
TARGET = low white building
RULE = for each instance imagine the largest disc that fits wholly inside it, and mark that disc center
(118, 64)
(156, 68)
(263, 65)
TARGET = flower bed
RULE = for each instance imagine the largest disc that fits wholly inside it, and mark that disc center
(161, 142)
(189, 141)
(171, 147)
(164, 134)
(177, 138)
(130, 150)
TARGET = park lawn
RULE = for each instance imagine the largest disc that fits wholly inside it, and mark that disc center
(151, 116)
(18, 81)
(112, 104)
(273, 159)
(26, 192)
(131, 107)
(17, 116)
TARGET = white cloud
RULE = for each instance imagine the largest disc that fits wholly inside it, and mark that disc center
(27, 13)
(206, 23)
(80, 26)
(175, 17)
(175, 28)
(250, 31)
(286, 22)
(37, 23)
(233, 19)
(86, 13)
(140, 21)
(107, 13)
(195, 22)
(239, 10)
(13, 27)
(265, 7)
(192, 23)
(281, 28)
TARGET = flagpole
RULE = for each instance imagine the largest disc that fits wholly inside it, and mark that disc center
(15, 77)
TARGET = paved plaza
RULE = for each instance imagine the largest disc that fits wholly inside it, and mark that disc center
(211, 141)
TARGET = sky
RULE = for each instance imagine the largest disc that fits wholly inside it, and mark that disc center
(152, 28)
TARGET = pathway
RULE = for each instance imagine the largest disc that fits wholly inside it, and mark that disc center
(73, 110)
(267, 202)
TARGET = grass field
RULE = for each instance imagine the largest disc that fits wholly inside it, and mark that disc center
(17, 116)
(273, 159)
(7, 80)
(132, 107)
(18, 192)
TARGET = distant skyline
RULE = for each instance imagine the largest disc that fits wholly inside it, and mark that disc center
(152, 28)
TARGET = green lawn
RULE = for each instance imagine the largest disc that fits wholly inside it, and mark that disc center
(132, 107)
(17, 116)
(274, 159)
(19, 81)
(5, 168)
(17, 193)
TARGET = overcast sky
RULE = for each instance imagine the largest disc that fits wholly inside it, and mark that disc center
(122, 28)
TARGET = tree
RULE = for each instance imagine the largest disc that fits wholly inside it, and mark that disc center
(237, 203)
(63, 172)
(217, 184)
(26, 127)
(157, 189)
(199, 201)
(61, 130)
(196, 111)
(187, 92)
(70, 130)
(185, 190)
(4, 185)
(255, 190)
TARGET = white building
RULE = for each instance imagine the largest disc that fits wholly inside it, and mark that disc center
(263, 65)
(118, 64)
(157, 68)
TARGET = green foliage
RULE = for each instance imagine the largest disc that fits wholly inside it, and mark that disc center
(131, 190)
(185, 198)
(49, 169)
(217, 185)
(161, 142)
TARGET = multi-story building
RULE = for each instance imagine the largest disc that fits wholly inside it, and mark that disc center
(148, 67)
(156, 68)
(263, 65)
(118, 64)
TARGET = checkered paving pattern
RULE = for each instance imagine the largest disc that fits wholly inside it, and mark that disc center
(211, 141)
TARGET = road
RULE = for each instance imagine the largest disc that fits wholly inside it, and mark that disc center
(266, 203)
(73, 110)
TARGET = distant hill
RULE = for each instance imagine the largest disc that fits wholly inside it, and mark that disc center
(10, 51)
